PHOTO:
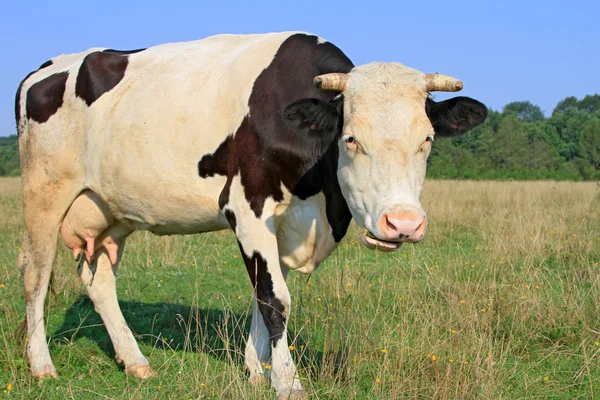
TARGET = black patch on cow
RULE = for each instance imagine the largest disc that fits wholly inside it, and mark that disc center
(122, 52)
(99, 73)
(46, 64)
(270, 306)
(455, 116)
(293, 145)
(18, 94)
(230, 215)
(215, 163)
(45, 97)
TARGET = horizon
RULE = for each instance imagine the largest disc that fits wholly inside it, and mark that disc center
(504, 52)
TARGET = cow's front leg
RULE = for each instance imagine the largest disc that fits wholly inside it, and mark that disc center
(258, 245)
(273, 300)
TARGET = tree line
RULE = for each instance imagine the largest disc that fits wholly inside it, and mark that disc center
(517, 143)
(521, 143)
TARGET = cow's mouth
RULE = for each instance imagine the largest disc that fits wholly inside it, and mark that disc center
(372, 242)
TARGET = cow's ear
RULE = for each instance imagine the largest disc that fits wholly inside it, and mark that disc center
(313, 116)
(455, 116)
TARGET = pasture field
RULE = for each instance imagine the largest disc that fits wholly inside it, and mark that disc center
(500, 301)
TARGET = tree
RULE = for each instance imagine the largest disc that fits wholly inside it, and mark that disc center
(589, 145)
(565, 104)
(590, 103)
(524, 110)
(510, 146)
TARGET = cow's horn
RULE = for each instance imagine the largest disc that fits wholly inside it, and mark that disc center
(442, 83)
(334, 81)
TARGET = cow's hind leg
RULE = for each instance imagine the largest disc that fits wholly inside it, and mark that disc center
(101, 288)
(36, 270)
(44, 206)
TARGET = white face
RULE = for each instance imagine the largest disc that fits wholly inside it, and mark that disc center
(384, 147)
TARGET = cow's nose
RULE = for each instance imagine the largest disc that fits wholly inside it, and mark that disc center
(404, 225)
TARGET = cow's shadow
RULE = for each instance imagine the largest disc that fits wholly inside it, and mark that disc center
(219, 333)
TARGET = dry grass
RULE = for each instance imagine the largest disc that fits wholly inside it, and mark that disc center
(499, 302)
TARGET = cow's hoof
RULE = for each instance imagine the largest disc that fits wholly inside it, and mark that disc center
(140, 371)
(47, 371)
(257, 380)
(293, 394)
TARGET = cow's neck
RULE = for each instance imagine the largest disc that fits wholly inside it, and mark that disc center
(322, 177)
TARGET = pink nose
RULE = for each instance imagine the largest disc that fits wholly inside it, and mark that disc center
(404, 225)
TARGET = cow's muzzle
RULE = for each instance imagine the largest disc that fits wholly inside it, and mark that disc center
(395, 229)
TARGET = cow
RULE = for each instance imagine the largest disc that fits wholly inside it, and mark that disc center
(278, 137)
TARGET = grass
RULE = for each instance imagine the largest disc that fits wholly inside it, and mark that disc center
(500, 301)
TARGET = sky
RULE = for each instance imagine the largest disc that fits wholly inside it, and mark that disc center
(504, 51)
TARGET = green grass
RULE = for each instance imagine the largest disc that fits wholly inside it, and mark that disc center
(474, 311)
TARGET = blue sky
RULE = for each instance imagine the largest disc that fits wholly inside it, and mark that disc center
(504, 51)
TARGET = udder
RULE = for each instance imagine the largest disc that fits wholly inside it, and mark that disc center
(89, 225)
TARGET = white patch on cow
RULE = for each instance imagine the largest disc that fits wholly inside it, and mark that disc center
(320, 40)
(304, 235)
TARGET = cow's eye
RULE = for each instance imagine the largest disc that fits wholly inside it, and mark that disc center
(352, 145)
(429, 138)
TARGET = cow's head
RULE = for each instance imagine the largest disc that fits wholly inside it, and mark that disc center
(387, 125)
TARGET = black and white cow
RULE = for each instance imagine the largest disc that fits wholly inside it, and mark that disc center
(276, 136)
